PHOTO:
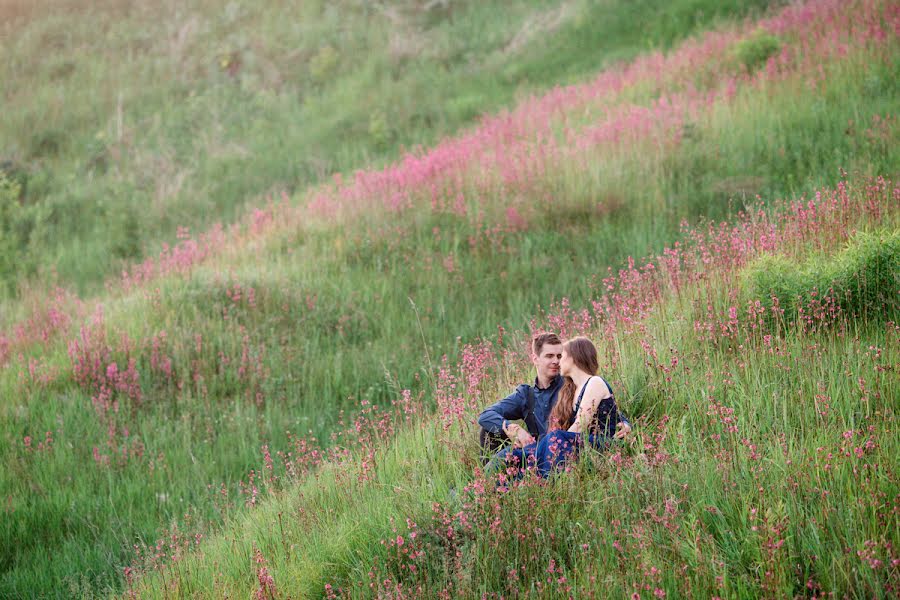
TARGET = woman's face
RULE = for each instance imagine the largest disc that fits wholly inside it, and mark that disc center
(566, 363)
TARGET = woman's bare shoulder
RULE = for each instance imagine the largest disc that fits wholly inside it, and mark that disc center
(597, 388)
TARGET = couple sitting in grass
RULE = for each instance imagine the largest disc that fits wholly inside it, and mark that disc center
(568, 405)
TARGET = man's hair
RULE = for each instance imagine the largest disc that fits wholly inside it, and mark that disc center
(539, 341)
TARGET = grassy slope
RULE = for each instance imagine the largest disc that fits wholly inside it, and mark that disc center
(248, 101)
(312, 535)
(212, 428)
(766, 445)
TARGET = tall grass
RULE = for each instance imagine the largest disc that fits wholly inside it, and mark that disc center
(762, 463)
(239, 348)
(248, 101)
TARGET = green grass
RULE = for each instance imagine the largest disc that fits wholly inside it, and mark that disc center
(251, 101)
(346, 312)
(765, 508)
(859, 281)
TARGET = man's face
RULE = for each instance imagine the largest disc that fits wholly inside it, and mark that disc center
(547, 362)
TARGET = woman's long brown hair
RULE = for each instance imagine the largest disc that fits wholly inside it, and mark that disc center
(584, 355)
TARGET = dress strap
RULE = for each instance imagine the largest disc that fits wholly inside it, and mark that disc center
(581, 395)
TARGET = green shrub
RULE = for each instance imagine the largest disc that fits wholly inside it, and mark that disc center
(753, 52)
(18, 221)
(772, 275)
(866, 276)
(863, 279)
(323, 66)
(16, 174)
(379, 129)
(125, 233)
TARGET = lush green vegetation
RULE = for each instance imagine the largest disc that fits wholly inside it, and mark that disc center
(306, 342)
(764, 437)
(861, 279)
(249, 100)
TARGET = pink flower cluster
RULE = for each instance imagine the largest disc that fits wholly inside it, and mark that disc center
(96, 371)
(520, 153)
(266, 589)
(516, 154)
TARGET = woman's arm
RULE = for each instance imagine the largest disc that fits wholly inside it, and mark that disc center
(595, 393)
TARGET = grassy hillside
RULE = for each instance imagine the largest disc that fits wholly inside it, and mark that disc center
(124, 120)
(300, 341)
(763, 463)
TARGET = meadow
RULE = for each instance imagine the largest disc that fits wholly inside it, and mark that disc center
(283, 406)
(126, 120)
(763, 462)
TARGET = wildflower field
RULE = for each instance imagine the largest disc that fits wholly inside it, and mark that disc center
(283, 404)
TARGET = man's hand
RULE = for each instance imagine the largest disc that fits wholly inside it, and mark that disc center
(519, 436)
(622, 429)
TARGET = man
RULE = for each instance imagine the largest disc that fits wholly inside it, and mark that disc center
(529, 403)
(546, 350)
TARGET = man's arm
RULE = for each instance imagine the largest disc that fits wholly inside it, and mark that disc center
(511, 408)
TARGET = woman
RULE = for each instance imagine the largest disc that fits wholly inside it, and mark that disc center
(585, 410)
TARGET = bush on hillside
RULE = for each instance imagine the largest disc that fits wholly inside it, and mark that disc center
(863, 279)
(323, 66)
(867, 274)
(753, 51)
(18, 222)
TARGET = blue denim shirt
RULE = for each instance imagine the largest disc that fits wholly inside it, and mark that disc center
(512, 408)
